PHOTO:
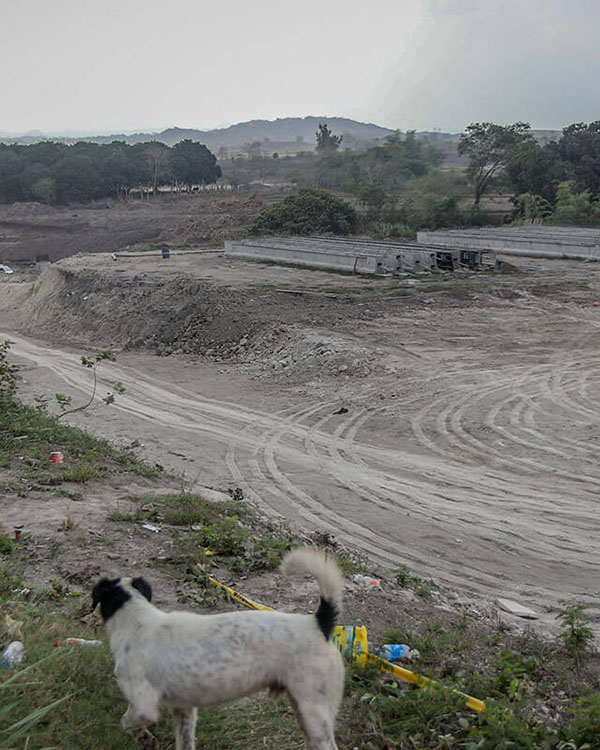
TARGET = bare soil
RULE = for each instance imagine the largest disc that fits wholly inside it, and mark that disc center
(453, 430)
(29, 231)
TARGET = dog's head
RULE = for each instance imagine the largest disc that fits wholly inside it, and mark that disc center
(112, 593)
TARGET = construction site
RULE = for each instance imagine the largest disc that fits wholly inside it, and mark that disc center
(426, 411)
(453, 410)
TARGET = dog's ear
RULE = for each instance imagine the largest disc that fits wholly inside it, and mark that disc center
(142, 585)
(101, 589)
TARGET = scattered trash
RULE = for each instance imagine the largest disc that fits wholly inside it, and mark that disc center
(341, 410)
(13, 627)
(18, 530)
(56, 457)
(398, 652)
(5, 269)
(166, 253)
(352, 641)
(12, 655)
(150, 527)
(514, 608)
(367, 581)
(78, 642)
(596, 304)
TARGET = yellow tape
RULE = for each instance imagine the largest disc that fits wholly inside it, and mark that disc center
(239, 597)
(353, 643)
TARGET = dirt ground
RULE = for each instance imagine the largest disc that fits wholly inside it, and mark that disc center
(33, 230)
(452, 427)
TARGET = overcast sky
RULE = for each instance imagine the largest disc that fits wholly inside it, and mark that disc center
(123, 65)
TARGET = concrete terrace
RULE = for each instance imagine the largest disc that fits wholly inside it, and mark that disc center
(352, 255)
(578, 243)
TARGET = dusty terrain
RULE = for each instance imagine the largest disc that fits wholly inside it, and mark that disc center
(32, 230)
(451, 428)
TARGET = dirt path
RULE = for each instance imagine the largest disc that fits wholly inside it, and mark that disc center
(475, 462)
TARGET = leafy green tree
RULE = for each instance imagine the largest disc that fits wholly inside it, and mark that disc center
(575, 208)
(326, 140)
(77, 179)
(193, 164)
(158, 157)
(489, 147)
(530, 207)
(579, 147)
(308, 211)
(44, 190)
(535, 169)
(374, 197)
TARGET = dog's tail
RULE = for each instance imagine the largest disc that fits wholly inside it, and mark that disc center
(325, 569)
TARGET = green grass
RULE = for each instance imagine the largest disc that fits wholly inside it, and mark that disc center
(376, 713)
(27, 436)
(216, 526)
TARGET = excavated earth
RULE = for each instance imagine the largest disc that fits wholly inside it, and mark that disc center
(449, 425)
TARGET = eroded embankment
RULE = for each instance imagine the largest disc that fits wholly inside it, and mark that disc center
(182, 314)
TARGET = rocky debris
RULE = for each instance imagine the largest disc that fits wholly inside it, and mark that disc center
(514, 608)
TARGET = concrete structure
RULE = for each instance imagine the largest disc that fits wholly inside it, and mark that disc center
(532, 240)
(351, 255)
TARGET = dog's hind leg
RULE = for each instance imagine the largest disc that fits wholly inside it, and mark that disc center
(185, 728)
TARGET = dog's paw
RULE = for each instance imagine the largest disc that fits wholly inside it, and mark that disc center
(145, 739)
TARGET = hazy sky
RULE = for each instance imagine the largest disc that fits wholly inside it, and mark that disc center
(97, 66)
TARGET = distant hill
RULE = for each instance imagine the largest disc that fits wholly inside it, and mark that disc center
(290, 130)
(287, 134)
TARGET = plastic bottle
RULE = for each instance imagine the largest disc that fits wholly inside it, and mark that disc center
(366, 581)
(13, 655)
(397, 652)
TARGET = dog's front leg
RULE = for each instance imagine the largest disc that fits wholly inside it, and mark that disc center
(185, 728)
(143, 702)
(145, 739)
(139, 716)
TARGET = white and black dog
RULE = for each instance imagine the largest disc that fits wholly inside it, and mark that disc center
(183, 660)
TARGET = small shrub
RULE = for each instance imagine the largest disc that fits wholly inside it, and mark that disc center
(576, 634)
(185, 509)
(6, 544)
(267, 552)
(585, 727)
(8, 373)
(499, 728)
(405, 578)
(308, 211)
(80, 473)
(512, 673)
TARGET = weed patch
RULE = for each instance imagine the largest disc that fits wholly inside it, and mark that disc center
(29, 435)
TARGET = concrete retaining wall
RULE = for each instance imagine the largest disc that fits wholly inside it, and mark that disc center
(532, 241)
(352, 255)
(314, 257)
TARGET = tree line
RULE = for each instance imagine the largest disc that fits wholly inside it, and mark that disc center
(559, 180)
(56, 173)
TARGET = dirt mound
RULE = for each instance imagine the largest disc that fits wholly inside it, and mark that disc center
(271, 333)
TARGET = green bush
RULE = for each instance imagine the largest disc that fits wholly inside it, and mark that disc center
(576, 634)
(8, 373)
(308, 211)
(585, 727)
(575, 208)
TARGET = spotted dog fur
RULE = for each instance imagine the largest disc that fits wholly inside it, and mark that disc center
(183, 660)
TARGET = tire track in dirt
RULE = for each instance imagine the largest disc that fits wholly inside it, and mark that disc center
(521, 529)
